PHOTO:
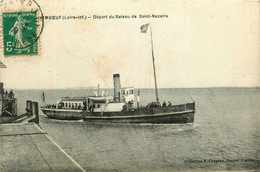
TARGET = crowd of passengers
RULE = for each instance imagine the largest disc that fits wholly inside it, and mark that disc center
(60, 106)
(130, 105)
(158, 104)
(91, 107)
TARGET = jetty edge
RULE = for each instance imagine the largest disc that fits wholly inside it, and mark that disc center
(24, 145)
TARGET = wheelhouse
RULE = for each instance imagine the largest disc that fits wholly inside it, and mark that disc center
(127, 94)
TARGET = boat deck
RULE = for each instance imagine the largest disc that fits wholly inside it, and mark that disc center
(27, 148)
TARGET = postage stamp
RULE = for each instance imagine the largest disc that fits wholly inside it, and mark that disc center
(20, 27)
(20, 33)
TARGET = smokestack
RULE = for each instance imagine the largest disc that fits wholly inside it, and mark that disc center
(117, 87)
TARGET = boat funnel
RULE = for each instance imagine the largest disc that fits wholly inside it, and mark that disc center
(117, 87)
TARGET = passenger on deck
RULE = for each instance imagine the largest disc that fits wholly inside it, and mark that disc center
(138, 99)
(91, 107)
(169, 104)
(164, 104)
(103, 93)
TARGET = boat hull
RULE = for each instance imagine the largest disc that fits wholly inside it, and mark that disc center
(63, 114)
(177, 114)
(163, 118)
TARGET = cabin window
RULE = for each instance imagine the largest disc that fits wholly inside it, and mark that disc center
(126, 92)
(123, 92)
(131, 92)
(66, 105)
(98, 106)
(76, 104)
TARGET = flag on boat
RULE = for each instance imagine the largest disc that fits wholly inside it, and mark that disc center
(144, 28)
(43, 97)
(2, 65)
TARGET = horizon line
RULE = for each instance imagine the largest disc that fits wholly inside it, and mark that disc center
(77, 88)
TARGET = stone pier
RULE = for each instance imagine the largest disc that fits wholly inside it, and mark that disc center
(27, 148)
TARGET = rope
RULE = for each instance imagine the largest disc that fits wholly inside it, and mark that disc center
(100, 73)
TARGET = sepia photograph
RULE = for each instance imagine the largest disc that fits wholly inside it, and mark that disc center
(129, 85)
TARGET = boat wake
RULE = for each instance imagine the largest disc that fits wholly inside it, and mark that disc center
(164, 127)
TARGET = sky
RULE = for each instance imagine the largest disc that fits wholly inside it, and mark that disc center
(200, 44)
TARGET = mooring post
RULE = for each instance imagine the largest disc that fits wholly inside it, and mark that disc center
(35, 111)
(29, 107)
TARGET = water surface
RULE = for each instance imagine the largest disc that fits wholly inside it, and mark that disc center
(224, 136)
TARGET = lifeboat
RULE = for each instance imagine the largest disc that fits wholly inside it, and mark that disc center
(100, 99)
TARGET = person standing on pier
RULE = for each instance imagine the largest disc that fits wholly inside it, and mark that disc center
(11, 94)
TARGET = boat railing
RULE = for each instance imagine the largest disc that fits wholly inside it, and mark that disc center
(53, 106)
(182, 107)
(154, 107)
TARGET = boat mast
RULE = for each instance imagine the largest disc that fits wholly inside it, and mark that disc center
(155, 81)
(98, 91)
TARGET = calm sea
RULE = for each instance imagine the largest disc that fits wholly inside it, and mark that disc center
(224, 136)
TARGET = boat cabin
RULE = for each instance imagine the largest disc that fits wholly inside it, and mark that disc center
(127, 94)
(108, 104)
(105, 107)
(71, 103)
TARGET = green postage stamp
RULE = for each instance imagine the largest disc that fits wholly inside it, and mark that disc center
(20, 33)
